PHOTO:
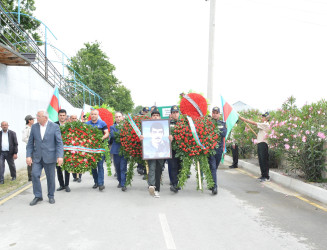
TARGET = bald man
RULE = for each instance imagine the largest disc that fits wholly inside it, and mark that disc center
(8, 151)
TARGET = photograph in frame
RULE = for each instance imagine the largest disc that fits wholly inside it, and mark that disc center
(156, 143)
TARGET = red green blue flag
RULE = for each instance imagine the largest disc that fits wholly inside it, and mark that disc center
(54, 106)
(230, 116)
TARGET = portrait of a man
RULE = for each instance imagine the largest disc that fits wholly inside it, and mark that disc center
(156, 144)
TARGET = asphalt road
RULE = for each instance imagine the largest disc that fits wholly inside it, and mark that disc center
(244, 215)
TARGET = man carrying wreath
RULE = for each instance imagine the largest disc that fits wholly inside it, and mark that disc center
(119, 161)
(98, 174)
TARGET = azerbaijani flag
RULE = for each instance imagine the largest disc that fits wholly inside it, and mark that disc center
(230, 116)
(54, 106)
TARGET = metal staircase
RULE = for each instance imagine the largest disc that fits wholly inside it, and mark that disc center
(18, 42)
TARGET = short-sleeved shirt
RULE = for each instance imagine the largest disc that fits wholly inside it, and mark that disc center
(263, 130)
(101, 125)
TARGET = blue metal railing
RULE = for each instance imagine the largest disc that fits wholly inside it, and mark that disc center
(13, 36)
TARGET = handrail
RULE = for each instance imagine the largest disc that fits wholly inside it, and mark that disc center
(14, 36)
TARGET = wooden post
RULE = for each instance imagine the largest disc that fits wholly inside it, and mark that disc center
(199, 176)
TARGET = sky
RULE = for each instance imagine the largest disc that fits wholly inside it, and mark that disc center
(264, 50)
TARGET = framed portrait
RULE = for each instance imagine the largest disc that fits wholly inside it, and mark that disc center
(156, 143)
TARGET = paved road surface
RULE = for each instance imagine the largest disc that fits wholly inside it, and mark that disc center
(244, 215)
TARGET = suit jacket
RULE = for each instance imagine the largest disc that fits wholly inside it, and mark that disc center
(48, 149)
(13, 144)
(115, 145)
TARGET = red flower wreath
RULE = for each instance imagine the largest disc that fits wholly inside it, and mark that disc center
(188, 109)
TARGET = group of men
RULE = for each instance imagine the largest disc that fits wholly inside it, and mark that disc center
(45, 151)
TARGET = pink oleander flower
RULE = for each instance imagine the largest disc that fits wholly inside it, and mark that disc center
(304, 138)
(287, 147)
(286, 140)
(307, 132)
(321, 135)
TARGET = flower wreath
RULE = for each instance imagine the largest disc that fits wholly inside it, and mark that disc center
(190, 152)
(83, 147)
(131, 146)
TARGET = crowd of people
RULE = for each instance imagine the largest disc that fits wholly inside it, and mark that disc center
(44, 150)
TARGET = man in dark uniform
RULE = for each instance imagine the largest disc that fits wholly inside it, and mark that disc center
(174, 164)
(214, 160)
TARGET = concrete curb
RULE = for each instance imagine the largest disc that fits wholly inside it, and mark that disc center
(306, 189)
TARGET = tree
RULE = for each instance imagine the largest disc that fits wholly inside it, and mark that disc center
(27, 7)
(97, 73)
(137, 110)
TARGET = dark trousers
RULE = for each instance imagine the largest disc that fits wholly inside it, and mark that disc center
(61, 178)
(214, 161)
(121, 168)
(75, 176)
(263, 159)
(235, 155)
(174, 166)
(155, 171)
(4, 155)
(50, 173)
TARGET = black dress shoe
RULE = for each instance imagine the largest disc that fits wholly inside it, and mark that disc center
(123, 189)
(52, 201)
(101, 187)
(173, 189)
(67, 189)
(119, 186)
(233, 166)
(14, 178)
(214, 191)
(60, 188)
(95, 186)
(35, 200)
(79, 180)
(75, 179)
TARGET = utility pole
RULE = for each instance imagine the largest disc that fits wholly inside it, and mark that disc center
(211, 50)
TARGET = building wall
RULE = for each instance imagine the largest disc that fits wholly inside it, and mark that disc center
(22, 92)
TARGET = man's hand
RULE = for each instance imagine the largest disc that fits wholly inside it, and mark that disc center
(29, 161)
(60, 161)
(171, 138)
(141, 137)
(15, 156)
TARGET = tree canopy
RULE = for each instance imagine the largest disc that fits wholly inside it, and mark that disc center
(97, 73)
(27, 23)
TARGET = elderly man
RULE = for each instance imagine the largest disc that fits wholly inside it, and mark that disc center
(98, 174)
(73, 118)
(44, 149)
(119, 161)
(8, 151)
(26, 134)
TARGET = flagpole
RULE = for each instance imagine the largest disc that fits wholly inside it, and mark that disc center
(211, 50)
(250, 128)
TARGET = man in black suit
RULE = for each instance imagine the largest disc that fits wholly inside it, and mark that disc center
(8, 151)
(62, 116)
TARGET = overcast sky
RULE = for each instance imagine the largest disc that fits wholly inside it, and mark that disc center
(265, 50)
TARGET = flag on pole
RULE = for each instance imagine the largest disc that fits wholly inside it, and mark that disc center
(230, 116)
(54, 106)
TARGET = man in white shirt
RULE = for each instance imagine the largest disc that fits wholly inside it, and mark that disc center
(26, 134)
(263, 155)
(8, 151)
